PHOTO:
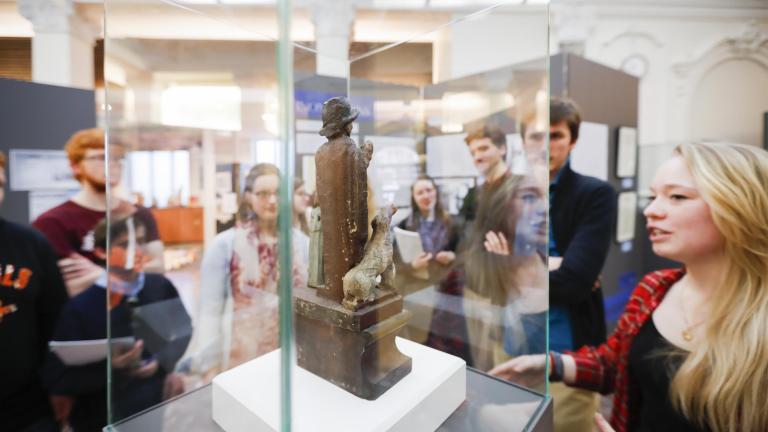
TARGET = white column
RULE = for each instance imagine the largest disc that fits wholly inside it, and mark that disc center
(333, 31)
(62, 47)
(572, 25)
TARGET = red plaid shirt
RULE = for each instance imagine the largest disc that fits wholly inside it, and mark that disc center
(604, 368)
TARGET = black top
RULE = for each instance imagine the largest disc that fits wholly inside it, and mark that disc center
(84, 317)
(31, 294)
(582, 214)
(651, 366)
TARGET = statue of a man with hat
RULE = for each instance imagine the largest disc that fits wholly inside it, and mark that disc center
(342, 187)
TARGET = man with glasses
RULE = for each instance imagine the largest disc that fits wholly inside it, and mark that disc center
(69, 226)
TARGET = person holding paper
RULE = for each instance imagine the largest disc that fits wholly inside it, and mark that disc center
(138, 380)
(32, 293)
(70, 226)
(432, 223)
(424, 255)
(582, 211)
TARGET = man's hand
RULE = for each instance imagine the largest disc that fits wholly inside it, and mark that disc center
(79, 273)
(130, 361)
(422, 261)
(496, 243)
(526, 370)
(445, 257)
(122, 359)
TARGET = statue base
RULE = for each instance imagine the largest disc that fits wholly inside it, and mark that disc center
(247, 398)
(356, 351)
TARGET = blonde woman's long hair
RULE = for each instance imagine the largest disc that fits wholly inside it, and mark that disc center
(722, 382)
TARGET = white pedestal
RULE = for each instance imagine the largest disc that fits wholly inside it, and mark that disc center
(247, 398)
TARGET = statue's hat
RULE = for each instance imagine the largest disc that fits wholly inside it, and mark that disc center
(337, 113)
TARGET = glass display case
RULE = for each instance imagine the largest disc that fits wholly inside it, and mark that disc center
(331, 214)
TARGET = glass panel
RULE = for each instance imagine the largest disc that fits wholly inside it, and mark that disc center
(194, 245)
(479, 292)
(226, 138)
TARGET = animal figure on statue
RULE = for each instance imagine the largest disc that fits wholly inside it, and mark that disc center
(359, 282)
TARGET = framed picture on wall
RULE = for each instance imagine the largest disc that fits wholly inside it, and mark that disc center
(32, 170)
(627, 214)
(626, 159)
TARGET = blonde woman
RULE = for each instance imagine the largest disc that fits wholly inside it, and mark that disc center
(690, 352)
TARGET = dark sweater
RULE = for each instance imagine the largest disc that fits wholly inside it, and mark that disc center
(582, 214)
(31, 294)
(84, 318)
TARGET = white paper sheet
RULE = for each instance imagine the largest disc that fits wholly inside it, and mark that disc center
(626, 160)
(627, 214)
(409, 246)
(590, 156)
(77, 353)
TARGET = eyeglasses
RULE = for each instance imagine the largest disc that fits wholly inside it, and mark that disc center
(100, 158)
(265, 195)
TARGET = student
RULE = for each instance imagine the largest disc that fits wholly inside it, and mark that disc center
(488, 147)
(138, 380)
(582, 211)
(505, 298)
(70, 226)
(689, 353)
(32, 293)
(238, 307)
(436, 230)
(438, 325)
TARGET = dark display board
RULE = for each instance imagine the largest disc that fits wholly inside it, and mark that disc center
(607, 96)
(38, 117)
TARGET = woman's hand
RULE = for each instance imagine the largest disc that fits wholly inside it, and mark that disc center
(445, 257)
(602, 423)
(526, 370)
(173, 386)
(496, 243)
(422, 261)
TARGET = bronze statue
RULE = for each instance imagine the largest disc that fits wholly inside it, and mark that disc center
(342, 187)
(346, 328)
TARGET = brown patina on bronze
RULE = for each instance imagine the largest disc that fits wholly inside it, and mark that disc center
(350, 341)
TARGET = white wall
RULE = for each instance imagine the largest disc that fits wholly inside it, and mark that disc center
(502, 37)
(700, 62)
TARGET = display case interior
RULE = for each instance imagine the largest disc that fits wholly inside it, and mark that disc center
(413, 209)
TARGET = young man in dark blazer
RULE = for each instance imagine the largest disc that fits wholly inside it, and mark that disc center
(582, 211)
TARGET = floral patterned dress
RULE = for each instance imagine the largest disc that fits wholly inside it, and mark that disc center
(254, 276)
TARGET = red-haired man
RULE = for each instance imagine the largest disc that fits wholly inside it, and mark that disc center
(69, 226)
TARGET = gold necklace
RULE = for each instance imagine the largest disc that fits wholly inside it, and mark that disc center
(687, 332)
